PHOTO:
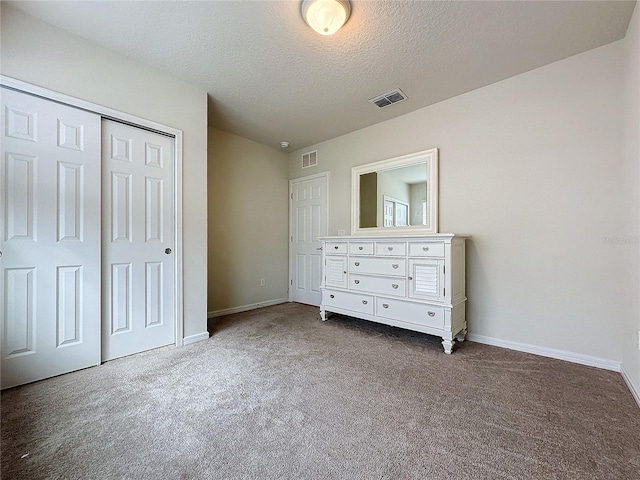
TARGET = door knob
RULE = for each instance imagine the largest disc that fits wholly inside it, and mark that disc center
(167, 251)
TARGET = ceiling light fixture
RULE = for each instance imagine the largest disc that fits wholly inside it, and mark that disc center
(326, 16)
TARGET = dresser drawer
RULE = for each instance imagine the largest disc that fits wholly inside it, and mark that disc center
(435, 249)
(336, 248)
(383, 285)
(416, 313)
(391, 248)
(361, 248)
(378, 266)
(355, 302)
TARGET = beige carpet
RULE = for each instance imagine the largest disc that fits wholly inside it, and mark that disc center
(276, 393)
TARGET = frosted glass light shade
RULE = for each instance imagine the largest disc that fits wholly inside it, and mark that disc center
(326, 16)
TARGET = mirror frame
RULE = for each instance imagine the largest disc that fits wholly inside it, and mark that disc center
(431, 159)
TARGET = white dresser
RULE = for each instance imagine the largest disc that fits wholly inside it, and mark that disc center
(410, 282)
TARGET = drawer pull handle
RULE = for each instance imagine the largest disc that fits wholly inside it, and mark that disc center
(332, 296)
(357, 282)
(395, 265)
(359, 248)
(357, 264)
(385, 305)
(336, 247)
(364, 302)
(394, 285)
(426, 249)
(431, 314)
(344, 271)
(389, 248)
(410, 278)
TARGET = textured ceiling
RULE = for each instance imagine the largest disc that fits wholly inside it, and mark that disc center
(271, 78)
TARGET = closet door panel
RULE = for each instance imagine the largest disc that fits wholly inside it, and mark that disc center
(50, 281)
(137, 252)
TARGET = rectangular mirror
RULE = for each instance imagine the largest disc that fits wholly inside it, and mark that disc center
(396, 196)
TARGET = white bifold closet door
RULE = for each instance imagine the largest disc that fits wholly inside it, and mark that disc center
(138, 240)
(50, 227)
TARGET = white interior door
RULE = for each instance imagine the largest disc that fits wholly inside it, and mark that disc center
(308, 221)
(388, 213)
(50, 280)
(138, 240)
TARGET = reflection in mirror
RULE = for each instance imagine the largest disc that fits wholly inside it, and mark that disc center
(398, 194)
(369, 200)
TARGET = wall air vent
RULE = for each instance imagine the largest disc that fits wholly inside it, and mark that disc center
(389, 98)
(310, 159)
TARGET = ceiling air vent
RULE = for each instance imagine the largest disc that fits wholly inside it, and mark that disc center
(310, 159)
(389, 98)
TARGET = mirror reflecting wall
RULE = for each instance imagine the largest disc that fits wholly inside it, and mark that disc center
(398, 195)
(394, 198)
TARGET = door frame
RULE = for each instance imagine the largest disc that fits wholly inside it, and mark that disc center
(118, 116)
(292, 182)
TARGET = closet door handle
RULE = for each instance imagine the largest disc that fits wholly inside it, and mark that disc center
(167, 251)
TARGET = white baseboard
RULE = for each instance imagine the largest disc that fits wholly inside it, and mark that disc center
(635, 390)
(588, 360)
(198, 337)
(246, 308)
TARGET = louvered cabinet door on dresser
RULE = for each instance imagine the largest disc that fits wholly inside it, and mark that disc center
(417, 283)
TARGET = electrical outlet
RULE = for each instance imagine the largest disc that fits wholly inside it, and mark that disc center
(263, 282)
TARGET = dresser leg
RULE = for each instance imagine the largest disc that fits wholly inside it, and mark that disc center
(323, 314)
(448, 345)
(461, 335)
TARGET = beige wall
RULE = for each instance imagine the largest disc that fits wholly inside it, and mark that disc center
(531, 167)
(369, 199)
(629, 336)
(248, 222)
(35, 52)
